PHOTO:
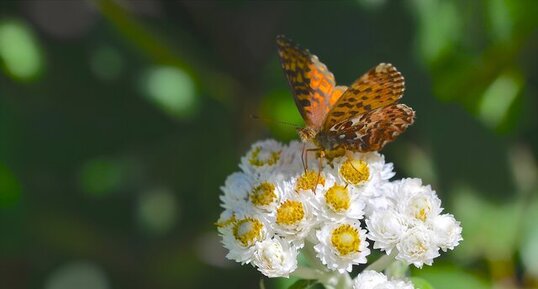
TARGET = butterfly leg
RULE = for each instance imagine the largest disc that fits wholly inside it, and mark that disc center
(321, 156)
(349, 155)
(303, 158)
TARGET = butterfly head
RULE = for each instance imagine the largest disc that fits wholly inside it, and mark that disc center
(320, 139)
(306, 134)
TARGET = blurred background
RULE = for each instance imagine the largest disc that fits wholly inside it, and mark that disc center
(120, 120)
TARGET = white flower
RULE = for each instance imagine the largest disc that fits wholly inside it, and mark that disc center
(418, 246)
(241, 236)
(244, 192)
(369, 279)
(293, 217)
(226, 220)
(291, 162)
(386, 228)
(417, 201)
(235, 191)
(338, 202)
(384, 199)
(265, 195)
(401, 284)
(341, 245)
(275, 257)
(374, 280)
(447, 231)
(262, 158)
(367, 171)
(311, 181)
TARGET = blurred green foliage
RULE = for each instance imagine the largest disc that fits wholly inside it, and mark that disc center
(119, 120)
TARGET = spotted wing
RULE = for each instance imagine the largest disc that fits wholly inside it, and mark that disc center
(312, 84)
(380, 86)
(373, 130)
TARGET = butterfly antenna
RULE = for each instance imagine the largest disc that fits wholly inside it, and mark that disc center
(268, 120)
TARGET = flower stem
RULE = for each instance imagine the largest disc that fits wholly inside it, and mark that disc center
(306, 273)
(335, 280)
(310, 254)
(383, 262)
(397, 269)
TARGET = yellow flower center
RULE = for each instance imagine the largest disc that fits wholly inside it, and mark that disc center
(345, 239)
(421, 208)
(421, 215)
(309, 180)
(422, 248)
(263, 195)
(226, 222)
(247, 231)
(355, 171)
(259, 158)
(289, 213)
(337, 198)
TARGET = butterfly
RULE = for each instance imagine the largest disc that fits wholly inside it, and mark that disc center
(363, 117)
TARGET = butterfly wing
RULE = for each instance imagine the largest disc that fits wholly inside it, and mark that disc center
(373, 130)
(380, 86)
(312, 84)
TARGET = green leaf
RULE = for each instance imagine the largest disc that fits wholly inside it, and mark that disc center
(302, 284)
(421, 283)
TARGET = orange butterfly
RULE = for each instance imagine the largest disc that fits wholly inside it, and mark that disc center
(363, 117)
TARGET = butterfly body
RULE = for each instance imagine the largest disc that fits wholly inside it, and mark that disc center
(326, 141)
(363, 117)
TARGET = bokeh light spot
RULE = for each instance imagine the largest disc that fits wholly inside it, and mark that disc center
(19, 51)
(106, 62)
(80, 275)
(157, 211)
(417, 161)
(529, 246)
(172, 90)
(501, 22)
(439, 28)
(498, 98)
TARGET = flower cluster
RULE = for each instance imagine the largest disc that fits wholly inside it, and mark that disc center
(411, 222)
(335, 207)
